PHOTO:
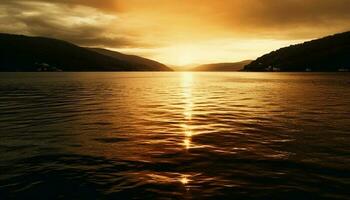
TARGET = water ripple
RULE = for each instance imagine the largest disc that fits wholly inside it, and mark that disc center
(174, 136)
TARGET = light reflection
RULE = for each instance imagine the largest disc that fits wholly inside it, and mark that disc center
(187, 78)
(187, 82)
(187, 142)
(188, 133)
(185, 179)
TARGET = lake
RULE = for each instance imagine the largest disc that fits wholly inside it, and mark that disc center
(146, 135)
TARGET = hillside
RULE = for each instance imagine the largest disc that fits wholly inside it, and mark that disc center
(23, 53)
(223, 66)
(326, 54)
(143, 62)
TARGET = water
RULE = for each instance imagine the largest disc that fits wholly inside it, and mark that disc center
(174, 136)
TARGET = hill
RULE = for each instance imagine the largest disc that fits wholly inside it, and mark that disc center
(24, 53)
(222, 66)
(144, 62)
(326, 54)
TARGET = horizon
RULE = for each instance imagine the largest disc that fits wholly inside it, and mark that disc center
(185, 67)
(179, 33)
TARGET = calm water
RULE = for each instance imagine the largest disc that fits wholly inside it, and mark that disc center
(174, 136)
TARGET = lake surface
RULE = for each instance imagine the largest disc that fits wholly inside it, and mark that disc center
(174, 135)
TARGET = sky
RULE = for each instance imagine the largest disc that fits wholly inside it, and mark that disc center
(179, 32)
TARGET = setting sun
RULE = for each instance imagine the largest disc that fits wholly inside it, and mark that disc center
(183, 55)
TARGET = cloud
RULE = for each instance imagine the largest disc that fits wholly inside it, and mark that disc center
(293, 19)
(287, 19)
(98, 4)
(79, 24)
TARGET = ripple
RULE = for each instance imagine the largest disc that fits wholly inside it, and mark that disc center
(174, 136)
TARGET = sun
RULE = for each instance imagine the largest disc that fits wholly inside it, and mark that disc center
(182, 55)
(185, 58)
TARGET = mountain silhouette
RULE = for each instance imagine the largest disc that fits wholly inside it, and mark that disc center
(24, 53)
(142, 62)
(325, 55)
(237, 66)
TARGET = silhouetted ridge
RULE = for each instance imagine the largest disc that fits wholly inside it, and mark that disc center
(222, 66)
(147, 63)
(23, 53)
(326, 54)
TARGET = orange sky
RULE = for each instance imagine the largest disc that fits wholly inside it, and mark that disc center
(179, 32)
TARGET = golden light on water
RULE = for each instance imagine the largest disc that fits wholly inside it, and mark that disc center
(187, 142)
(187, 84)
(188, 111)
(188, 133)
(185, 179)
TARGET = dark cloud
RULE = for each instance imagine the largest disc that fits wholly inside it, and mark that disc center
(290, 13)
(87, 35)
(112, 5)
(100, 4)
(61, 23)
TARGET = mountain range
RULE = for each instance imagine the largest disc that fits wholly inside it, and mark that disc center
(24, 53)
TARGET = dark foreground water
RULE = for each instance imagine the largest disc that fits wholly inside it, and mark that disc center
(174, 136)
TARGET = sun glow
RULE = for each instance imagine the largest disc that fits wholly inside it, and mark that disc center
(183, 54)
(209, 51)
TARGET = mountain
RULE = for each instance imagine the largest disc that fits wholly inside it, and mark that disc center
(146, 63)
(24, 53)
(326, 54)
(222, 66)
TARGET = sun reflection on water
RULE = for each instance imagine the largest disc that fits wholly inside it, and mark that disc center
(187, 142)
(185, 179)
(188, 133)
(187, 82)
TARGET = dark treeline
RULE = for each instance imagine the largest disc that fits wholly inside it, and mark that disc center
(331, 53)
